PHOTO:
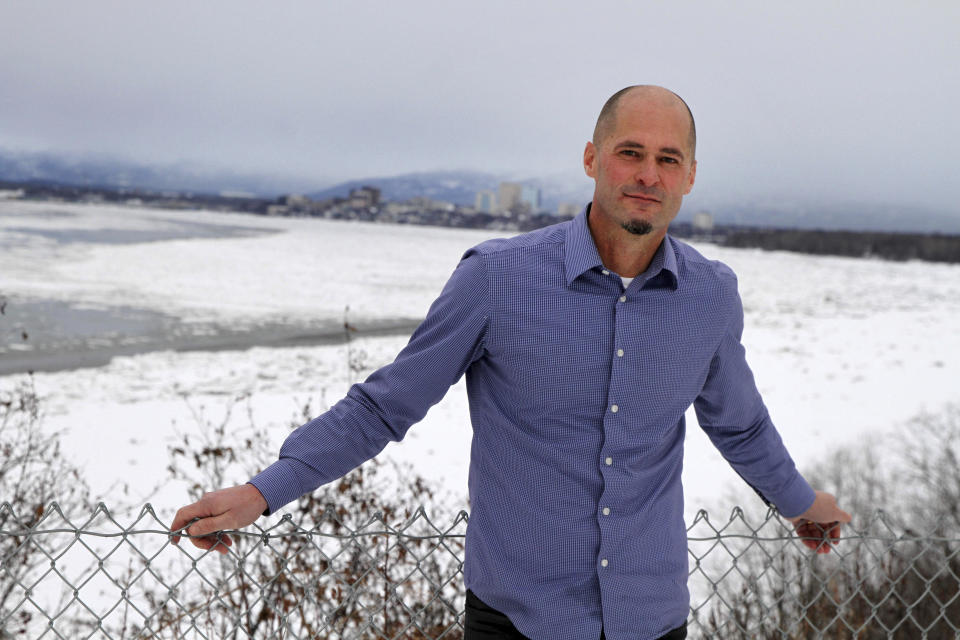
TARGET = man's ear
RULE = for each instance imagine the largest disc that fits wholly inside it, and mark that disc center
(590, 160)
(693, 176)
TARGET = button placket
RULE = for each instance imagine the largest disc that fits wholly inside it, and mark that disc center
(616, 373)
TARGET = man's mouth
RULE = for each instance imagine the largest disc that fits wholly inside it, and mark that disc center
(641, 196)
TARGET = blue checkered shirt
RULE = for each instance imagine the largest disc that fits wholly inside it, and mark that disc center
(577, 391)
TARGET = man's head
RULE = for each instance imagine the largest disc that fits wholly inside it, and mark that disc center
(642, 159)
(606, 121)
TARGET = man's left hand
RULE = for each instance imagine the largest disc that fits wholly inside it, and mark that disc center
(819, 526)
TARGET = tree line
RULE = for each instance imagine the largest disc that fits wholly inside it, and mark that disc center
(929, 247)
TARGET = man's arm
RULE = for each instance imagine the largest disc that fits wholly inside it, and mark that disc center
(373, 413)
(732, 413)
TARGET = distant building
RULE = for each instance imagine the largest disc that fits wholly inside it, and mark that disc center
(530, 196)
(320, 207)
(568, 209)
(11, 194)
(702, 222)
(424, 203)
(364, 197)
(295, 200)
(508, 196)
(397, 208)
(486, 201)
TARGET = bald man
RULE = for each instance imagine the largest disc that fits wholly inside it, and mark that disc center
(583, 344)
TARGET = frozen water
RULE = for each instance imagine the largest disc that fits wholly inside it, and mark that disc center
(842, 348)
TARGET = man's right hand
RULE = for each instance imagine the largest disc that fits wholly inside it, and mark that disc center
(231, 508)
(819, 526)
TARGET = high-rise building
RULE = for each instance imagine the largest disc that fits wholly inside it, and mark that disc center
(486, 201)
(530, 196)
(365, 196)
(702, 222)
(568, 209)
(508, 196)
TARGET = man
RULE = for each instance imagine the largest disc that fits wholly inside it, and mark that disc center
(583, 343)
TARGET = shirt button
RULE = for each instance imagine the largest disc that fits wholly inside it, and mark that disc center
(623, 298)
(614, 408)
(619, 353)
(605, 272)
(606, 511)
(608, 461)
(604, 562)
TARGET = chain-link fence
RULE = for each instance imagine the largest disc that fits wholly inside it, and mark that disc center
(369, 578)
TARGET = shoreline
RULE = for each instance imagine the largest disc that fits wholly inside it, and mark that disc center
(26, 362)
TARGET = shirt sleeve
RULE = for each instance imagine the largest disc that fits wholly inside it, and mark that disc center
(393, 398)
(731, 412)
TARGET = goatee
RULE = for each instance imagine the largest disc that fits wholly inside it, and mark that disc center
(638, 227)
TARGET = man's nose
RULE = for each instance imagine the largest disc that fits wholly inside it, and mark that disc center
(646, 173)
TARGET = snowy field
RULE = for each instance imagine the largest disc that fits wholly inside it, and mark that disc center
(843, 349)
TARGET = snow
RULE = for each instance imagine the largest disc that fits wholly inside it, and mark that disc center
(842, 348)
(313, 268)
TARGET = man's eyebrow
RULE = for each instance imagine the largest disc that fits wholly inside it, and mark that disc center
(673, 151)
(630, 144)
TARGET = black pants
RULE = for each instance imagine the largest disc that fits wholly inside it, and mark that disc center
(486, 623)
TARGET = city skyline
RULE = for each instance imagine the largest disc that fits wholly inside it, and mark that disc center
(811, 102)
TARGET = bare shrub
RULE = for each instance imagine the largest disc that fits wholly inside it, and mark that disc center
(33, 473)
(336, 567)
(898, 576)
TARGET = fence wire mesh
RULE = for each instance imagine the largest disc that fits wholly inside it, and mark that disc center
(368, 578)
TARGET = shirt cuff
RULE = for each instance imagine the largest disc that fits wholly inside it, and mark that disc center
(795, 498)
(279, 485)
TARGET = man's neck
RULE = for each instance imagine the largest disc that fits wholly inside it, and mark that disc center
(622, 252)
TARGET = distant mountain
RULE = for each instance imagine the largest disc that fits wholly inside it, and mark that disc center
(460, 187)
(783, 211)
(104, 171)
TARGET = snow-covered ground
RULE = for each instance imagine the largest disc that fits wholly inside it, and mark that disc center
(842, 348)
(312, 268)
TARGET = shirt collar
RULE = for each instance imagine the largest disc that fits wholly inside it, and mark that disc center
(581, 253)
(664, 263)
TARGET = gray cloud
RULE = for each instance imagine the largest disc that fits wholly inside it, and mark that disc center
(855, 102)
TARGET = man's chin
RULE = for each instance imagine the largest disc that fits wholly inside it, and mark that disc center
(637, 227)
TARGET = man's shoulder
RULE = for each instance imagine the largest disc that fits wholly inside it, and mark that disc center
(549, 236)
(694, 265)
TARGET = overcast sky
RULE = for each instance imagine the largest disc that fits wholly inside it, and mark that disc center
(850, 100)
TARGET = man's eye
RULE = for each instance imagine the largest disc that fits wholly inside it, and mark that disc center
(669, 160)
(630, 153)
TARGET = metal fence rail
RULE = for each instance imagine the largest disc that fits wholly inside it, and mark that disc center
(369, 578)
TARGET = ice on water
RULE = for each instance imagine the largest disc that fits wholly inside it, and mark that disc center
(842, 348)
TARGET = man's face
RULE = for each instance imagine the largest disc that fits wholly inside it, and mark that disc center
(642, 167)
